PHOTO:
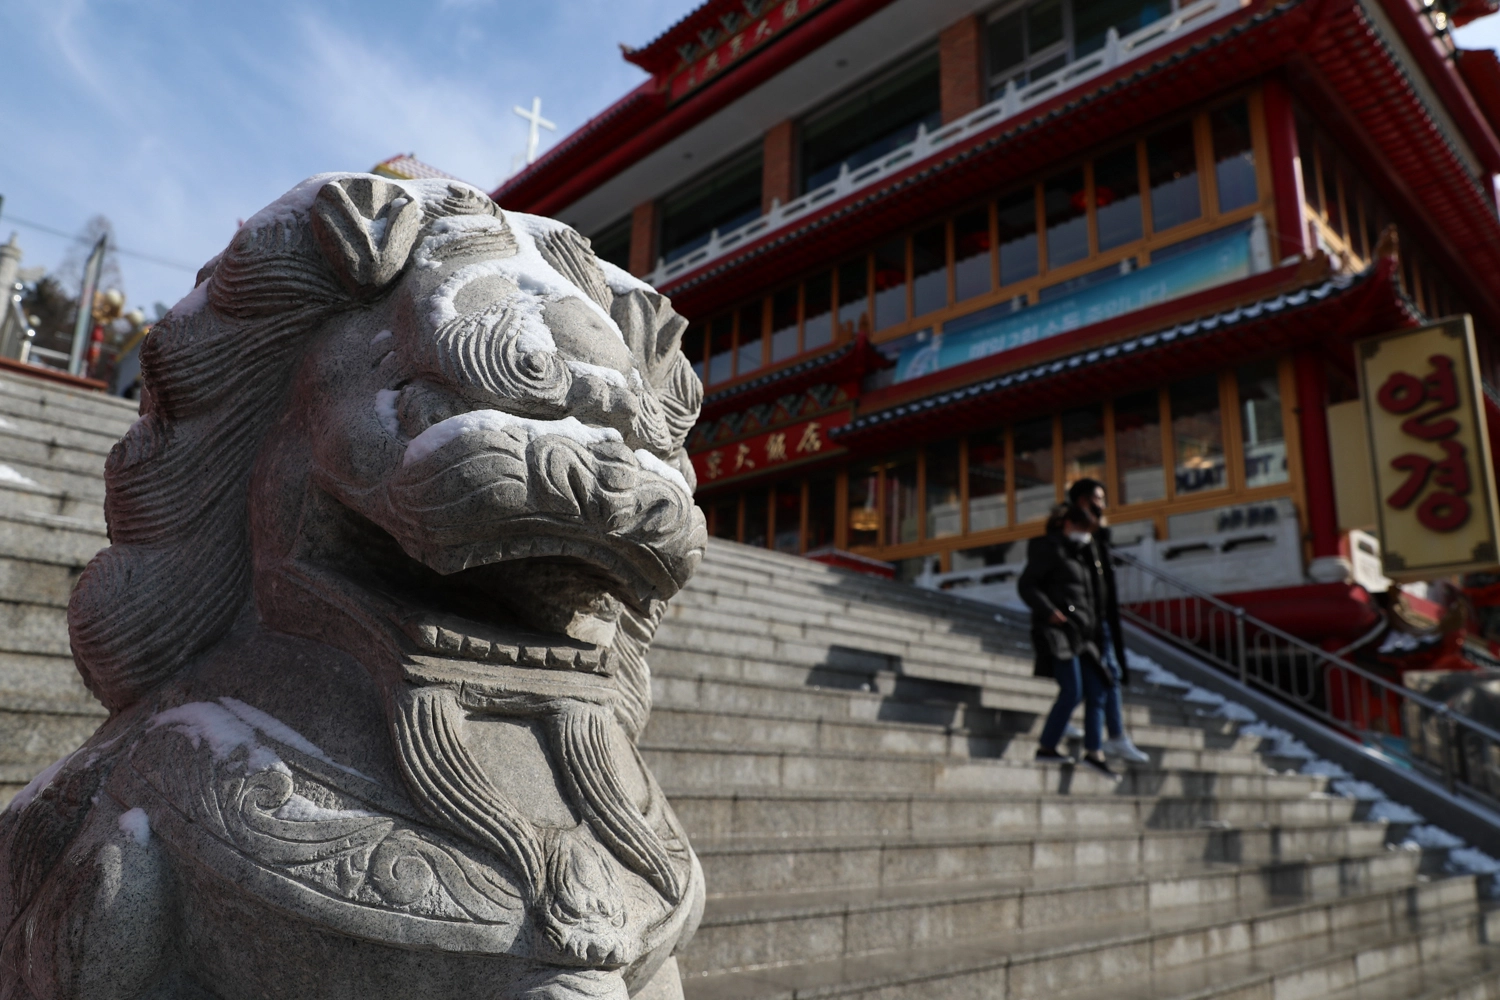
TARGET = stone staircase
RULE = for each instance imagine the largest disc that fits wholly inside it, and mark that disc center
(853, 761)
(53, 443)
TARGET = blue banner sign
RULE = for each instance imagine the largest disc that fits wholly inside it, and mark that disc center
(1000, 328)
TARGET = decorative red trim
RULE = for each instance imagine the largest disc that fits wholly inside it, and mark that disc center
(1481, 71)
(1281, 133)
(1317, 457)
(48, 375)
(848, 363)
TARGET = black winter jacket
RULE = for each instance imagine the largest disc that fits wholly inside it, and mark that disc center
(1078, 580)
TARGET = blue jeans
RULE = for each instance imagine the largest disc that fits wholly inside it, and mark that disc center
(1113, 714)
(1077, 682)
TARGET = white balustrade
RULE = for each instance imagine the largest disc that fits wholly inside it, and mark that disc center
(1011, 102)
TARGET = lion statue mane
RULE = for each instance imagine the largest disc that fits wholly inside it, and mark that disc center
(389, 543)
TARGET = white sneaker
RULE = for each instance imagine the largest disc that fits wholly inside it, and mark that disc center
(1125, 750)
(1072, 732)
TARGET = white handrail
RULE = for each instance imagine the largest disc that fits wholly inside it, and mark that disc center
(1011, 102)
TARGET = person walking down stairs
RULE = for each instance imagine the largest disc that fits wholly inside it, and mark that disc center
(1063, 585)
(1089, 494)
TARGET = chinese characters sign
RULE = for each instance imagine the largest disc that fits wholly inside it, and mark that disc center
(775, 17)
(784, 446)
(1434, 479)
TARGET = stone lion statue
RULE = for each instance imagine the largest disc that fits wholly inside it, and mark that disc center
(390, 540)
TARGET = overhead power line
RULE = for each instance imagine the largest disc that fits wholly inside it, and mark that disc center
(122, 251)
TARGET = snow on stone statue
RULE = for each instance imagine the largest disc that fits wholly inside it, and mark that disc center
(390, 542)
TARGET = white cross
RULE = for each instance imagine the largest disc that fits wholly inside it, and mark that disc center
(534, 116)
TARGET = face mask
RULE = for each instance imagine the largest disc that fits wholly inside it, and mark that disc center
(1080, 537)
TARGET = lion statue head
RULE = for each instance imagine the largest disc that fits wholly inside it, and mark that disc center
(406, 499)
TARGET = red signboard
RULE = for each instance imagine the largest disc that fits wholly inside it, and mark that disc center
(777, 17)
(788, 445)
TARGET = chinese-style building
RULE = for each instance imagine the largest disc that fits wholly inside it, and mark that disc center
(943, 257)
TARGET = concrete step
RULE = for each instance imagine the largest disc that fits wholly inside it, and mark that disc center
(31, 682)
(793, 682)
(86, 485)
(97, 439)
(669, 724)
(39, 457)
(20, 492)
(1307, 949)
(34, 628)
(700, 636)
(50, 538)
(724, 814)
(762, 930)
(733, 767)
(50, 402)
(34, 582)
(797, 614)
(957, 857)
(32, 740)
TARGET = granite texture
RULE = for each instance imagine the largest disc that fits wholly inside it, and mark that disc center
(390, 541)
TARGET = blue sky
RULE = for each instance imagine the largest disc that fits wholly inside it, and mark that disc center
(176, 118)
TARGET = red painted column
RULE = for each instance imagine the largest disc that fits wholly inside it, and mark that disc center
(1317, 457)
(778, 165)
(643, 224)
(1286, 164)
(961, 67)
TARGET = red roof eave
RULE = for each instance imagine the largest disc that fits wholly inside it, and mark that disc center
(596, 155)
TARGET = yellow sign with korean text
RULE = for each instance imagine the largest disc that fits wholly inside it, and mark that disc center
(1429, 451)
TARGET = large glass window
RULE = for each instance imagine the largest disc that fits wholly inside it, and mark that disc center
(724, 517)
(784, 324)
(1172, 162)
(1036, 491)
(971, 254)
(788, 517)
(1197, 434)
(724, 198)
(1067, 219)
(1234, 156)
(1138, 448)
(693, 346)
(1083, 444)
(817, 312)
(942, 487)
(854, 293)
(1117, 193)
(881, 117)
(1018, 256)
(901, 501)
(1027, 44)
(1261, 432)
(890, 284)
(756, 518)
(987, 499)
(864, 505)
(929, 264)
(752, 339)
(822, 511)
(1092, 19)
(721, 349)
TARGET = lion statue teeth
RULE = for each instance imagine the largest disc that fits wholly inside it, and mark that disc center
(390, 540)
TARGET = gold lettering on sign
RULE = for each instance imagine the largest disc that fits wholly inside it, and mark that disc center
(714, 464)
(810, 442)
(776, 448)
(742, 459)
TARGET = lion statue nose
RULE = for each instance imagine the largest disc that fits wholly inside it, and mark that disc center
(633, 410)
